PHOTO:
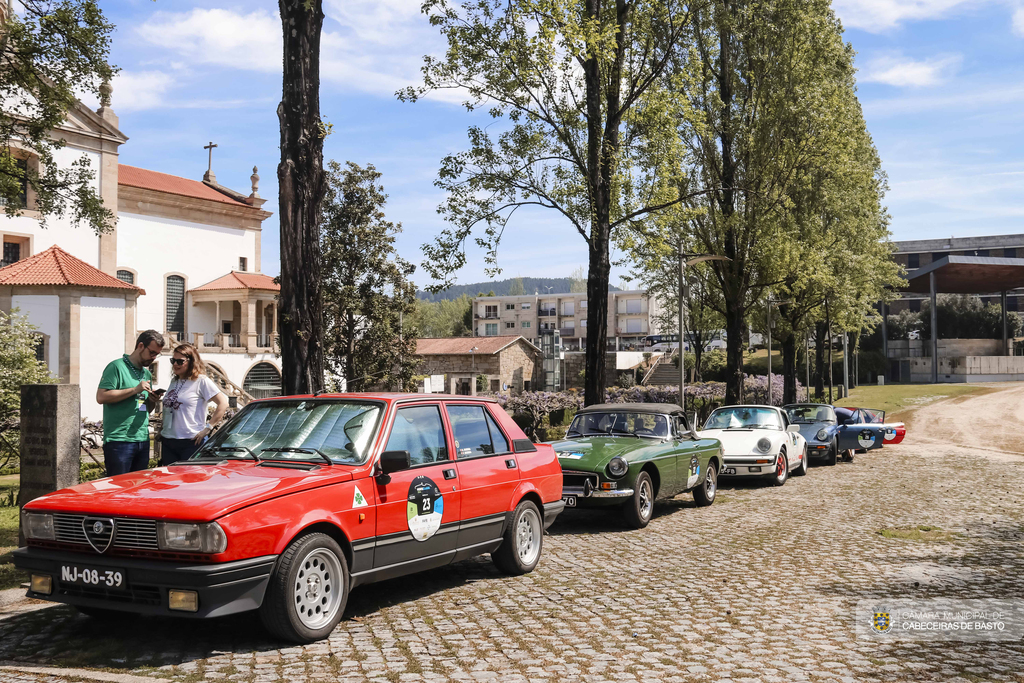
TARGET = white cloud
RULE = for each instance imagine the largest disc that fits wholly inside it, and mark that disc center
(895, 69)
(375, 46)
(881, 15)
(135, 91)
(1018, 22)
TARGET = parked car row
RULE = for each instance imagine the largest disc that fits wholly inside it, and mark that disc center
(297, 500)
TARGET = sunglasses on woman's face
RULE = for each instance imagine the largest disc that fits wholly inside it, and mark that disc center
(179, 361)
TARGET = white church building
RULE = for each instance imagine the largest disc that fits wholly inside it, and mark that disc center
(183, 259)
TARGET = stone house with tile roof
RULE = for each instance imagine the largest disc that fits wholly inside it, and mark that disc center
(509, 364)
(187, 253)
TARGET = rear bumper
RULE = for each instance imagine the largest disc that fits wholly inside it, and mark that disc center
(551, 511)
(223, 588)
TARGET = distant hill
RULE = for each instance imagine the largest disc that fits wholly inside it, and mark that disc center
(531, 285)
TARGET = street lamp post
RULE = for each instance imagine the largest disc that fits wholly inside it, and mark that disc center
(687, 260)
(770, 302)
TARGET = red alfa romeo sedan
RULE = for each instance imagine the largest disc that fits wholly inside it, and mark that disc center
(293, 503)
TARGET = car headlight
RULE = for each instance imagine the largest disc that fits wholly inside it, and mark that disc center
(822, 435)
(764, 444)
(617, 467)
(196, 538)
(37, 525)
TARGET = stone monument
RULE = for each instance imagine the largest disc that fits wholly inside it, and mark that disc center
(51, 424)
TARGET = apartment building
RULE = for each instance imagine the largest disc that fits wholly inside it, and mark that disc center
(914, 254)
(631, 316)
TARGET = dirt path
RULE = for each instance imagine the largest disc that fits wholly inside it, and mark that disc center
(990, 423)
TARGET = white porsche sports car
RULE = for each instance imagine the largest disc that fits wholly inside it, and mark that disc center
(758, 441)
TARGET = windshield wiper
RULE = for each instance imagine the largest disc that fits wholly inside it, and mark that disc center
(229, 449)
(623, 432)
(292, 449)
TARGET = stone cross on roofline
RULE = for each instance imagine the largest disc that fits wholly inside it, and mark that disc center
(209, 176)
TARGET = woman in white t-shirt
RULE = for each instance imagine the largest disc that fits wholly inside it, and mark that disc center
(185, 406)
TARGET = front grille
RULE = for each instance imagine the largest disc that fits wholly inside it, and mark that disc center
(576, 483)
(139, 595)
(139, 534)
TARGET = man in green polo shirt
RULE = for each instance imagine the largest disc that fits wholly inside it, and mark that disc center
(127, 397)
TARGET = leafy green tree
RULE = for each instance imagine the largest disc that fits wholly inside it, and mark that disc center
(962, 316)
(588, 127)
(517, 288)
(445, 318)
(51, 51)
(18, 363)
(578, 281)
(367, 294)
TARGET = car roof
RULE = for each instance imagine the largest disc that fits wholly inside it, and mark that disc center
(808, 405)
(387, 396)
(748, 405)
(660, 408)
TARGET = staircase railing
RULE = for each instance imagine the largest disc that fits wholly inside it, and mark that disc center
(654, 366)
(242, 397)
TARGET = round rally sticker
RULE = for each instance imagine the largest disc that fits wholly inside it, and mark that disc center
(866, 439)
(425, 508)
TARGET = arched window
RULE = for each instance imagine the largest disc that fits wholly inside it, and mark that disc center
(126, 276)
(262, 381)
(176, 304)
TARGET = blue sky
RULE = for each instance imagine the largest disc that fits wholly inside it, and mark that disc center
(941, 83)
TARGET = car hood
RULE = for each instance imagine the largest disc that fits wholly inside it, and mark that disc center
(743, 441)
(592, 453)
(810, 431)
(187, 492)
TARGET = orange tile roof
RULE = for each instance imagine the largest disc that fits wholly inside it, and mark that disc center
(237, 280)
(460, 346)
(172, 184)
(57, 267)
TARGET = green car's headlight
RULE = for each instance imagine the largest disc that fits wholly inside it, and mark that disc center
(617, 467)
(764, 444)
(821, 435)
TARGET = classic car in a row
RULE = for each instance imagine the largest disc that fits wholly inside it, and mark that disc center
(833, 431)
(292, 504)
(758, 441)
(631, 454)
(894, 431)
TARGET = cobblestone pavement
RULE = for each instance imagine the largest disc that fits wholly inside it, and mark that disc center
(759, 587)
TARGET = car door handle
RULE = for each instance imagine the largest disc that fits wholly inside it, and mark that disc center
(449, 474)
(510, 463)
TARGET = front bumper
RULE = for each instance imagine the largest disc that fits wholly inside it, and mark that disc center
(817, 450)
(223, 588)
(747, 466)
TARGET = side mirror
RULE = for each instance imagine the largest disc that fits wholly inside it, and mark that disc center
(392, 461)
(793, 428)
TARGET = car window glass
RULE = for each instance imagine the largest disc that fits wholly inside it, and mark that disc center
(497, 438)
(742, 417)
(418, 430)
(471, 431)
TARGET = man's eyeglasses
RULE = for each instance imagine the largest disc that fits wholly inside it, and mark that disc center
(179, 361)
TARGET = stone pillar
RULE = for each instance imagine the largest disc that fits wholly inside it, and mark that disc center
(70, 327)
(130, 330)
(51, 418)
(249, 323)
(220, 323)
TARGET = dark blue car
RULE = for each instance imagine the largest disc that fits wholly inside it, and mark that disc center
(831, 432)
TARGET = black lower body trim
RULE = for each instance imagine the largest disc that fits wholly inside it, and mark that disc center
(223, 588)
(551, 511)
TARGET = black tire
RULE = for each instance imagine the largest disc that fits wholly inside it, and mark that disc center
(830, 458)
(638, 510)
(802, 470)
(106, 615)
(522, 542)
(781, 470)
(293, 614)
(704, 494)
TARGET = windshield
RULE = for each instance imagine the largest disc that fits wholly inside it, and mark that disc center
(299, 430)
(810, 414)
(619, 424)
(739, 417)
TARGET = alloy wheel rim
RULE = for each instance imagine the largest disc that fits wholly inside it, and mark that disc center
(645, 499)
(709, 484)
(318, 591)
(528, 537)
(780, 469)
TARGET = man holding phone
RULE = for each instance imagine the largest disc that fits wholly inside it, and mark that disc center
(127, 397)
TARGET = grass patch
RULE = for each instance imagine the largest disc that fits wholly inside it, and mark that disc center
(922, 532)
(895, 398)
(9, 576)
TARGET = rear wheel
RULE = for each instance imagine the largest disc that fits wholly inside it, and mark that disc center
(639, 509)
(308, 590)
(519, 552)
(705, 493)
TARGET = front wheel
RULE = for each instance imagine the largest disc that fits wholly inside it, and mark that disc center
(781, 470)
(704, 494)
(520, 548)
(639, 509)
(308, 590)
(830, 459)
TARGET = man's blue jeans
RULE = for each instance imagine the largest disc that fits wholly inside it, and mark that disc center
(125, 456)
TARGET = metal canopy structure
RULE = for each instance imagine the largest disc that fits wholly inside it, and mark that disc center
(969, 275)
(963, 275)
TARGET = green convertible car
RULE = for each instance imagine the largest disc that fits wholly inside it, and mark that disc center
(630, 454)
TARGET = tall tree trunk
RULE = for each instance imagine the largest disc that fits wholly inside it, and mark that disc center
(789, 369)
(597, 319)
(735, 318)
(819, 359)
(698, 353)
(301, 189)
